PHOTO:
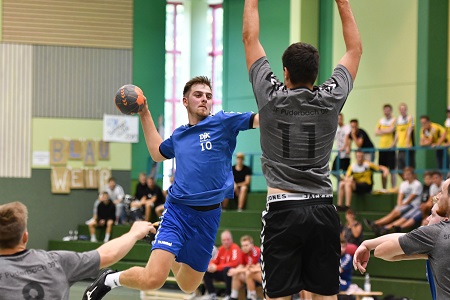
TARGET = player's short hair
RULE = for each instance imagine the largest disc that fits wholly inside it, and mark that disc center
(302, 62)
(354, 121)
(246, 238)
(111, 179)
(13, 223)
(196, 80)
(387, 106)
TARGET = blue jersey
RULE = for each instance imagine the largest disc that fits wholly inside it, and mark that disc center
(204, 173)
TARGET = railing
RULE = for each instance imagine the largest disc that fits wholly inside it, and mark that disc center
(252, 159)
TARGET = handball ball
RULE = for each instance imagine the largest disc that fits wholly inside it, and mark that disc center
(129, 99)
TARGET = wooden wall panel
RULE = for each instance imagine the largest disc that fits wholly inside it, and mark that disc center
(95, 23)
(15, 114)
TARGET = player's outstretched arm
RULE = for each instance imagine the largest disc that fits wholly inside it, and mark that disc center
(362, 254)
(116, 249)
(151, 134)
(352, 38)
(250, 33)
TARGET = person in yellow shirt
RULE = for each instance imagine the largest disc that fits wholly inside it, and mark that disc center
(358, 179)
(433, 134)
(404, 138)
(447, 128)
(386, 131)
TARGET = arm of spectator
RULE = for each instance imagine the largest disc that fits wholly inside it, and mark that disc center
(237, 270)
(409, 199)
(233, 262)
(424, 140)
(246, 182)
(442, 138)
(356, 229)
(347, 144)
(385, 170)
(358, 140)
(116, 249)
(400, 198)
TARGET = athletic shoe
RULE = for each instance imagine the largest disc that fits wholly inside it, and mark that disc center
(397, 228)
(369, 224)
(97, 290)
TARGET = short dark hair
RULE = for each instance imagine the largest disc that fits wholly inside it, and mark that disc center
(13, 223)
(354, 121)
(196, 80)
(387, 106)
(302, 62)
(426, 117)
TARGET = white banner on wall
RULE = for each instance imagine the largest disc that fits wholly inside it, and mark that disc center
(122, 129)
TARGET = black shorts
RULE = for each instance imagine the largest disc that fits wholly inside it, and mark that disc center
(362, 188)
(343, 163)
(401, 160)
(387, 159)
(300, 248)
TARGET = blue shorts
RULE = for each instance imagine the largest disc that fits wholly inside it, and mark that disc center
(188, 234)
(415, 213)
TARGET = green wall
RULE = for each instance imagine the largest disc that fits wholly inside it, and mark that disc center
(148, 67)
(51, 216)
(237, 92)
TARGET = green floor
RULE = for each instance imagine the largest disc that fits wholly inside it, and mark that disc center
(76, 292)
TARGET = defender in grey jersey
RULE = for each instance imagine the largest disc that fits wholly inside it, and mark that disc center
(298, 122)
(38, 274)
(426, 242)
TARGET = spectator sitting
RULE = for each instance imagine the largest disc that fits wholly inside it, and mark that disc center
(407, 208)
(141, 187)
(359, 178)
(155, 197)
(352, 232)
(228, 257)
(345, 268)
(248, 271)
(106, 214)
(435, 187)
(242, 176)
(116, 194)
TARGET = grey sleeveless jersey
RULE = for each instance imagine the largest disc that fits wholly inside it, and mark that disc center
(297, 128)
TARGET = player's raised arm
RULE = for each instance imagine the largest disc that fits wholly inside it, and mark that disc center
(151, 134)
(352, 38)
(250, 33)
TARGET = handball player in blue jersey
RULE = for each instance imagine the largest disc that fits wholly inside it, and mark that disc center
(300, 247)
(187, 231)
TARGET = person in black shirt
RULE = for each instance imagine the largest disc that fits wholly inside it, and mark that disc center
(242, 176)
(361, 139)
(141, 187)
(106, 215)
